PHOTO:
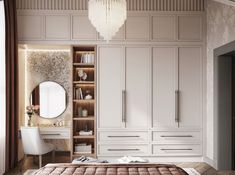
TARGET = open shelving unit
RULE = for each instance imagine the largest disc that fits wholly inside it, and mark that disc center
(84, 100)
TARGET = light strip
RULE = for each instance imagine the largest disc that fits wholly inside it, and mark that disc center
(47, 50)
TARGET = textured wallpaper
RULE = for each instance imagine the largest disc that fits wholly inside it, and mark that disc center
(50, 66)
(220, 30)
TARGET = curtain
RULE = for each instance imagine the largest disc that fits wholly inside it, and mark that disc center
(2, 90)
(11, 52)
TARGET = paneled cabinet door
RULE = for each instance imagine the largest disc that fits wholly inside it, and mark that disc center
(182, 72)
(164, 86)
(137, 87)
(111, 84)
(190, 86)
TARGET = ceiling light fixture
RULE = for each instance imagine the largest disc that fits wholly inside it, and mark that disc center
(107, 16)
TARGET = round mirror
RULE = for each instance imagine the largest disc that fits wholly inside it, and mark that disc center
(51, 99)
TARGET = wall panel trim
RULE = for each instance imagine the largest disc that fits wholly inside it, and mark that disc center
(132, 5)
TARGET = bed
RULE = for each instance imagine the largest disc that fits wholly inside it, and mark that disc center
(110, 169)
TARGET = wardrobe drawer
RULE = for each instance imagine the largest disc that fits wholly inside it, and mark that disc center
(177, 136)
(123, 136)
(177, 150)
(122, 150)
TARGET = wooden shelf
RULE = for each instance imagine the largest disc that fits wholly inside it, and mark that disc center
(84, 137)
(84, 101)
(75, 154)
(84, 51)
(84, 118)
(84, 64)
(83, 82)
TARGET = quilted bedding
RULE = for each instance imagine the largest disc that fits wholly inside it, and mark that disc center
(110, 169)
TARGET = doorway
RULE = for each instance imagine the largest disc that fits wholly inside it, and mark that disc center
(224, 106)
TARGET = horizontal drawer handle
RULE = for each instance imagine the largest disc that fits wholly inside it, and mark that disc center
(51, 134)
(176, 136)
(123, 149)
(188, 149)
(123, 136)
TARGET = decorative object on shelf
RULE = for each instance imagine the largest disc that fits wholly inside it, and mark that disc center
(88, 96)
(84, 77)
(84, 113)
(85, 133)
(59, 123)
(107, 16)
(31, 110)
(80, 74)
(79, 112)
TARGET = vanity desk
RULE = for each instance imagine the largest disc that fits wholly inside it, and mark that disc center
(50, 99)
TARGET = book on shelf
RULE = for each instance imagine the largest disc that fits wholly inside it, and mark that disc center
(78, 93)
(81, 95)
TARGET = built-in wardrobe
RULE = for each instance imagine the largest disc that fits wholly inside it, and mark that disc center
(150, 77)
(150, 101)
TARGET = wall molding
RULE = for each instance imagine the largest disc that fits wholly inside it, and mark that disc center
(132, 5)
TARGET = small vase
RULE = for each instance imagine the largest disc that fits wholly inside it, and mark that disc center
(29, 120)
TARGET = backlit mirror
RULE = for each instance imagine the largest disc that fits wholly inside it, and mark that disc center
(51, 99)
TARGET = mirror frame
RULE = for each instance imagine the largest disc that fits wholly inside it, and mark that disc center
(66, 95)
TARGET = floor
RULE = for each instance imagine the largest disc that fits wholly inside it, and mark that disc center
(32, 163)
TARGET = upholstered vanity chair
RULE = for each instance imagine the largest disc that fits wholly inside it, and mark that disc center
(33, 144)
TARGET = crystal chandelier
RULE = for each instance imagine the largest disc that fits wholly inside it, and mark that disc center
(107, 16)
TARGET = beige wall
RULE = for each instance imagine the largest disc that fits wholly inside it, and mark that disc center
(220, 30)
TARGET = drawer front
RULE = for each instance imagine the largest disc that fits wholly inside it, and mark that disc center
(122, 150)
(177, 150)
(55, 134)
(177, 136)
(123, 136)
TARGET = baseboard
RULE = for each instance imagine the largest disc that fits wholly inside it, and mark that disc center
(209, 161)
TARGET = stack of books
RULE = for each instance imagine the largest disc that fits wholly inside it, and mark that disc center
(83, 148)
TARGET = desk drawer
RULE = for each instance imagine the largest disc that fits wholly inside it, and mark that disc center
(55, 134)
(177, 150)
(122, 149)
(127, 136)
(177, 136)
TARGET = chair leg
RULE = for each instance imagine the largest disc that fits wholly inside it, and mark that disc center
(53, 156)
(40, 161)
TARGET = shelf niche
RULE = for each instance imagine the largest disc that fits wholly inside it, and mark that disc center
(84, 60)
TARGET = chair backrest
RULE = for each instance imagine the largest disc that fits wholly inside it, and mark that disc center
(32, 142)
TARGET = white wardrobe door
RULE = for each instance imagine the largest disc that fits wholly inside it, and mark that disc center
(137, 87)
(164, 79)
(190, 86)
(111, 84)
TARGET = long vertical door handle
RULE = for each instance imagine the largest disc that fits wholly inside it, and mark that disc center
(177, 107)
(123, 106)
